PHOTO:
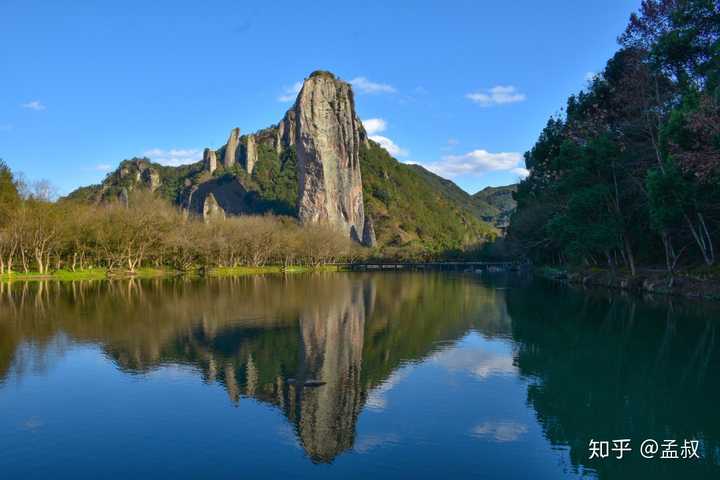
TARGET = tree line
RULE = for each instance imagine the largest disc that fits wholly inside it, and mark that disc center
(38, 235)
(629, 174)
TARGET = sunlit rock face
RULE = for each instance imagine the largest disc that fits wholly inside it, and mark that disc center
(210, 160)
(211, 209)
(327, 135)
(249, 153)
(231, 148)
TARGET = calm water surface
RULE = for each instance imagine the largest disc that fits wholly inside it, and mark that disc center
(425, 376)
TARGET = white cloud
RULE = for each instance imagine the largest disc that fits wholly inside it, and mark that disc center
(34, 105)
(521, 172)
(389, 145)
(363, 85)
(290, 93)
(374, 125)
(477, 162)
(174, 156)
(500, 432)
(497, 95)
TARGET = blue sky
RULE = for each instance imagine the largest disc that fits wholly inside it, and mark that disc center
(462, 87)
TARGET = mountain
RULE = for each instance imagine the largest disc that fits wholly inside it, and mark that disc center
(318, 165)
(498, 204)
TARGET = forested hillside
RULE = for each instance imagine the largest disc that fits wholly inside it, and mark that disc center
(629, 175)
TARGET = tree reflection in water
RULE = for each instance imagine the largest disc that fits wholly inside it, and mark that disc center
(263, 337)
(592, 365)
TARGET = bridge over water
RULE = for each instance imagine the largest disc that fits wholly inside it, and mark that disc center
(443, 266)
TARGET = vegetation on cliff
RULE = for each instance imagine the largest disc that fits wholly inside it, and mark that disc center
(412, 214)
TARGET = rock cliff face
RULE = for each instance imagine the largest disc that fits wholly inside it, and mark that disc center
(211, 209)
(210, 160)
(230, 156)
(250, 153)
(327, 135)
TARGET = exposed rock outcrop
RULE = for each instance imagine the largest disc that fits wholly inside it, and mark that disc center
(250, 153)
(328, 135)
(211, 209)
(230, 156)
(210, 160)
(227, 193)
(368, 237)
(151, 178)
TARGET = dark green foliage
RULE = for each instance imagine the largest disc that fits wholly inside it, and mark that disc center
(498, 203)
(631, 173)
(276, 179)
(9, 196)
(668, 195)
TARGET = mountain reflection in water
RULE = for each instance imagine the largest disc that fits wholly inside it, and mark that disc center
(493, 372)
(261, 337)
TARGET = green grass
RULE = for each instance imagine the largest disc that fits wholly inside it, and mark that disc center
(101, 273)
(88, 274)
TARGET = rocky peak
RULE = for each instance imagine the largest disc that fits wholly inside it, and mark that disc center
(230, 156)
(327, 135)
(210, 160)
(249, 153)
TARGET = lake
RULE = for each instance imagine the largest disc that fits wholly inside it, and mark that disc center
(352, 375)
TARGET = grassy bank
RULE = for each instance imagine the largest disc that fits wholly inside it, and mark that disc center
(101, 273)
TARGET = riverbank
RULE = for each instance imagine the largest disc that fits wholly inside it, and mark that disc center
(701, 283)
(103, 274)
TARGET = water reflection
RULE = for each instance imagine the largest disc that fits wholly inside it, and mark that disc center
(494, 370)
(318, 347)
(610, 366)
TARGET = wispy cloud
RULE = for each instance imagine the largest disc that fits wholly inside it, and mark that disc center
(290, 93)
(174, 156)
(392, 148)
(103, 167)
(34, 105)
(363, 85)
(497, 95)
(451, 144)
(374, 125)
(477, 162)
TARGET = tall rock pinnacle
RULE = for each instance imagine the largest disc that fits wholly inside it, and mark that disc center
(250, 153)
(231, 148)
(327, 135)
(210, 160)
